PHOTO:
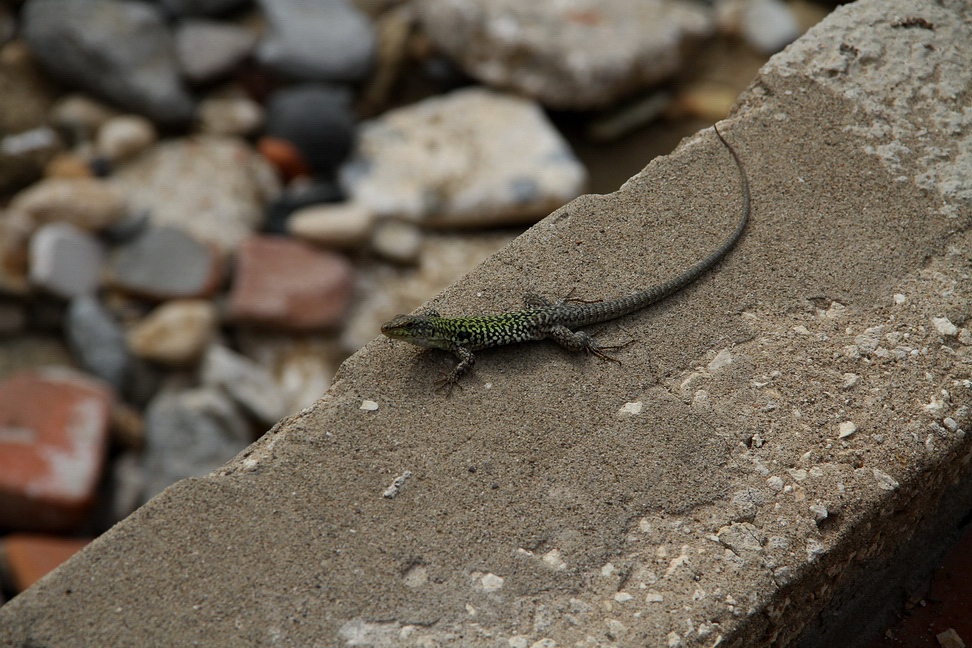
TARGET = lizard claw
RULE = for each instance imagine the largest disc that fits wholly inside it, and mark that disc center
(594, 349)
(447, 381)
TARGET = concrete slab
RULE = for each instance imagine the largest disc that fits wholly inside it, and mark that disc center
(778, 436)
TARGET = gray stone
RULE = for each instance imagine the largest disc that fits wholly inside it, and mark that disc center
(473, 157)
(573, 57)
(188, 434)
(65, 260)
(97, 341)
(207, 50)
(318, 119)
(120, 50)
(165, 263)
(249, 384)
(317, 40)
(215, 188)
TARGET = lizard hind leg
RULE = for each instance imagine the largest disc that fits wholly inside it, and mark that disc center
(582, 341)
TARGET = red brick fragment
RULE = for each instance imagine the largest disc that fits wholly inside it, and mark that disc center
(284, 283)
(29, 557)
(53, 433)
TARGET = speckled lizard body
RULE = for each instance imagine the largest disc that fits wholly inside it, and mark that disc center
(541, 319)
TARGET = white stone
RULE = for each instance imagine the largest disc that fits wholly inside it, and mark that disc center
(722, 359)
(575, 55)
(123, 136)
(846, 429)
(944, 326)
(230, 114)
(175, 333)
(215, 188)
(769, 25)
(397, 241)
(473, 157)
(850, 380)
(333, 224)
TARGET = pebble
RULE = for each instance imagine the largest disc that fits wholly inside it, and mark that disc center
(55, 428)
(397, 241)
(80, 116)
(68, 165)
(166, 263)
(175, 333)
(127, 484)
(567, 57)
(87, 203)
(248, 383)
(123, 136)
(285, 157)
(65, 261)
(229, 114)
(215, 188)
(97, 341)
(345, 224)
(207, 50)
(740, 537)
(190, 433)
(318, 120)
(316, 40)
(846, 429)
(470, 158)
(295, 196)
(286, 284)
(28, 557)
(944, 326)
(769, 25)
(120, 51)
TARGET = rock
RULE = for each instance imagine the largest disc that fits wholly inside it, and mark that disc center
(208, 50)
(471, 158)
(397, 241)
(296, 196)
(80, 116)
(175, 333)
(303, 367)
(336, 225)
(166, 263)
(97, 341)
(55, 429)
(188, 434)
(68, 165)
(90, 204)
(215, 188)
(123, 136)
(318, 120)
(246, 382)
(567, 57)
(127, 485)
(27, 143)
(119, 50)
(285, 157)
(65, 261)
(286, 284)
(29, 557)
(229, 114)
(769, 25)
(316, 40)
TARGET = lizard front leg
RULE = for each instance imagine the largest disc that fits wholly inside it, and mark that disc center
(451, 379)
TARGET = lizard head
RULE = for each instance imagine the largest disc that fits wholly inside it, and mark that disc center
(422, 330)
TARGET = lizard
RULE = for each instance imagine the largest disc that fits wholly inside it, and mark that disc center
(542, 319)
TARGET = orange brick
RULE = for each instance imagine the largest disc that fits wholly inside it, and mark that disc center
(286, 284)
(53, 434)
(29, 557)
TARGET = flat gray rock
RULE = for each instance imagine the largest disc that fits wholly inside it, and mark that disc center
(119, 50)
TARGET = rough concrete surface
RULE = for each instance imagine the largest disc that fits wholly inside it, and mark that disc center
(777, 438)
